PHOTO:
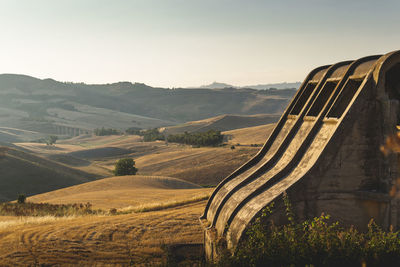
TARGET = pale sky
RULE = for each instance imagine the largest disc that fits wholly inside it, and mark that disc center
(181, 43)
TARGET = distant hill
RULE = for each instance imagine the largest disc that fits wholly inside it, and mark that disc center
(223, 123)
(217, 85)
(23, 172)
(284, 85)
(51, 107)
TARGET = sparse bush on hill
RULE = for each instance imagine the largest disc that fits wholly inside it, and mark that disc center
(51, 140)
(125, 166)
(316, 242)
(21, 199)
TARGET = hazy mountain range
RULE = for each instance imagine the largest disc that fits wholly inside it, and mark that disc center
(284, 85)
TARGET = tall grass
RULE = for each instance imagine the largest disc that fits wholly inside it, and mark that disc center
(163, 205)
(46, 209)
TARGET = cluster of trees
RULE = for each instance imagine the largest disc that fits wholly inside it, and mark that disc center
(209, 138)
(148, 135)
(134, 131)
(105, 131)
(152, 135)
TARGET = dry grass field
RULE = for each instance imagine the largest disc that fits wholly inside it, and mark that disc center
(160, 210)
(251, 135)
(223, 123)
(203, 166)
(122, 240)
(125, 191)
(98, 240)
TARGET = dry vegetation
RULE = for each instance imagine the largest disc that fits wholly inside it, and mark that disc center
(251, 135)
(134, 238)
(204, 166)
(223, 123)
(160, 210)
(124, 191)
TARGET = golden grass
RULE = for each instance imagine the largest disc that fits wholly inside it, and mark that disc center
(12, 221)
(251, 135)
(91, 141)
(46, 149)
(204, 166)
(164, 205)
(123, 191)
(100, 240)
(222, 122)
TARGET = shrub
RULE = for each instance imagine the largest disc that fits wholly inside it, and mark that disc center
(125, 166)
(51, 140)
(315, 242)
(21, 199)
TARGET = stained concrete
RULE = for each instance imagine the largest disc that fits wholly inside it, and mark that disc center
(324, 152)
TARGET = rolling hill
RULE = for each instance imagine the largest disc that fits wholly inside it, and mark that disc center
(23, 172)
(223, 123)
(123, 191)
(137, 239)
(250, 135)
(46, 106)
(130, 239)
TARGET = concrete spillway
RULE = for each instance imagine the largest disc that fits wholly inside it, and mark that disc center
(324, 152)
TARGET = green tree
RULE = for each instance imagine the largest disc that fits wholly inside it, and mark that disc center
(125, 166)
(51, 140)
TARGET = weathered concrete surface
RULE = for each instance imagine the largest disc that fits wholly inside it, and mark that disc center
(324, 151)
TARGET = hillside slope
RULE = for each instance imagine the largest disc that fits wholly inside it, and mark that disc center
(123, 191)
(125, 240)
(250, 135)
(223, 123)
(23, 172)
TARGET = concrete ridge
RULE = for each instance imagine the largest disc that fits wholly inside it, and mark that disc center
(305, 150)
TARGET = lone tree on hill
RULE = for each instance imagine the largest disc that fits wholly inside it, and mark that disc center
(51, 140)
(125, 167)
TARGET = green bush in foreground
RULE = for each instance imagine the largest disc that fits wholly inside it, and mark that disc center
(315, 242)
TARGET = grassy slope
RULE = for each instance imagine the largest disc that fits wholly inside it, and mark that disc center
(223, 123)
(123, 191)
(102, 240)
(204, 166)
(133, 238)
(23, 172)
(251, 135)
